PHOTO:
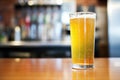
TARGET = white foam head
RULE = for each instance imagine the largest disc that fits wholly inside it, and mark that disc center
(82, 15)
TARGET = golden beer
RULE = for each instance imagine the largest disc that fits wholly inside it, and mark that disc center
(82, 30)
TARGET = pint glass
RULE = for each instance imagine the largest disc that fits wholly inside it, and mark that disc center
(82, 31)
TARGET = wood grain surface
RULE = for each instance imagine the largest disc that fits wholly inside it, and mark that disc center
(57, 69)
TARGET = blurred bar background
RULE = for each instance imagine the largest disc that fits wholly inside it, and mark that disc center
(40, 28)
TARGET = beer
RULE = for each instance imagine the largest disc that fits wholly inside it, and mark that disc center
(82, 39)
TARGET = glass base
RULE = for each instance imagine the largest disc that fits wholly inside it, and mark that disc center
(77, 66)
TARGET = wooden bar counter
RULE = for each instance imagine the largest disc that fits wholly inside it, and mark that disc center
(57, 69)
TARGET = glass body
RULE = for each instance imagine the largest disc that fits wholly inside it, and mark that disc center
(82, 30)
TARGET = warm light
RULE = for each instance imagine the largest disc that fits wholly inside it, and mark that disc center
(15, 43)
(30, 3)
(17, 60)
(17, 28)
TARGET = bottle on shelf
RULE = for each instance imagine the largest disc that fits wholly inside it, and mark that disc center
(33, 27)
(48, 27)
(28, 22)
(56, 23)
(17, 33)
(41, 17)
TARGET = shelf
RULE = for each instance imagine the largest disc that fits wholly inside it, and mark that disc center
(22, 46)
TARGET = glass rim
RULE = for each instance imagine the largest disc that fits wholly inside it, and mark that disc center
(82, 13)
(78, 14)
